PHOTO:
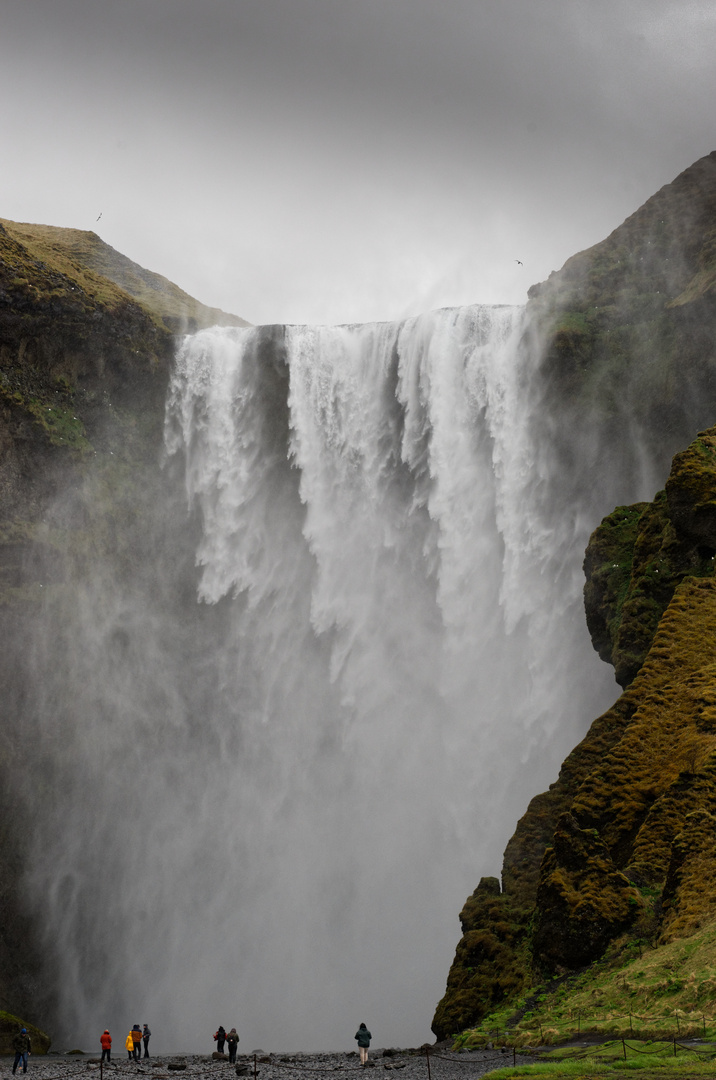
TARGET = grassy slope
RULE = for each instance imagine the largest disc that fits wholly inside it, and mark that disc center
(105, 273)
(634, 990)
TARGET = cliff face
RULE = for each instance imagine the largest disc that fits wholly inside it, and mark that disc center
(620, 847)
(86, 343)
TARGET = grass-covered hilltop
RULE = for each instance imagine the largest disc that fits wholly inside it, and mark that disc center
(607, 903)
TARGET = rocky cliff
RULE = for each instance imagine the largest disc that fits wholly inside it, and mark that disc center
(621, 846)
(86, 342)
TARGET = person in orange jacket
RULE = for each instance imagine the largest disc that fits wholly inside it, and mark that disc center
(137, 1037)
(106, 1041)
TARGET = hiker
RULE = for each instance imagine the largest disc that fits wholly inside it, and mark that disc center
(233, 1041)
(220, 1039)
(137, 1041)
(106, 1041)
(146, 1035)
(363, 1036)
(21, 1046)
(129, 1043)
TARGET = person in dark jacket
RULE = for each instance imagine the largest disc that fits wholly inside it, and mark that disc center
(146, 1035)
(106, 1042)
(220, 1039)
(363, 1036)
(21, 1046)
(232, 1041)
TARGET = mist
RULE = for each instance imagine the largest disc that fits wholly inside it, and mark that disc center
(281, 746)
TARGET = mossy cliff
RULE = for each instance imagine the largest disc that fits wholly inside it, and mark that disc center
(9, 1027)
(624, 841)
(628, 338)
(86, 343)
(621, 846)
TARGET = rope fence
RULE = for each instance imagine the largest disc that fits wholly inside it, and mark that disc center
(586, 1024)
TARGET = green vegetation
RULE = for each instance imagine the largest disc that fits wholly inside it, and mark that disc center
(618, 854)
(9, 1027)
(104, 276)
(635, 990)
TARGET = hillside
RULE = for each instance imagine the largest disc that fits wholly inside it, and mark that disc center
(86, 344)
(85, 259)
(620, 849)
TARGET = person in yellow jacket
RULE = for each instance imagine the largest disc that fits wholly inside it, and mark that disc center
(129, 1043)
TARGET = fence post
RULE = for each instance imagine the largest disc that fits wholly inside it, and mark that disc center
(514, 1057)
(674, 1045)
(101, 1066)
(427, 1059)
(579, 1021)
(624, 1048)
(254, 1066)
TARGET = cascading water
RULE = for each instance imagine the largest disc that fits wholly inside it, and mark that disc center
(387, 660)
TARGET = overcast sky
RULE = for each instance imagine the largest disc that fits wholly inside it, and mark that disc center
(347, 160)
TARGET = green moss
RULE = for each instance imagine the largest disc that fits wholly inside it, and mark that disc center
(620, 849)
(9, 1027)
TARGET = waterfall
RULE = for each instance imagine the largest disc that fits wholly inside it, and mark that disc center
(318, 751)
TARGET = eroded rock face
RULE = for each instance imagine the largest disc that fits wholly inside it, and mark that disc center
(583, 901)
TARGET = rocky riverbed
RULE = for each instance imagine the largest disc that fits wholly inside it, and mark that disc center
(408, 1064)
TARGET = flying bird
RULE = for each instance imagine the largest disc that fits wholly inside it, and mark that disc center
(100, 215)
(519, 261)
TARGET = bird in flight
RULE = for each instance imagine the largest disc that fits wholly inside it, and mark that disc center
(519, 261)
(100, 215)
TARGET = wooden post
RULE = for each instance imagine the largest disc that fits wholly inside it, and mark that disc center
(427, 1059)
(254, 1066)
(514, 1057)
(624, 1048)
(674, 1045)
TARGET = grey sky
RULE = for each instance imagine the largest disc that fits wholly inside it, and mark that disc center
(335, 160)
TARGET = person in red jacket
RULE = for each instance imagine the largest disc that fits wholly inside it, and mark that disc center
(106, 1040)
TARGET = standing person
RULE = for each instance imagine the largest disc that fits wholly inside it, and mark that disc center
(363, 1036)
(233, 1041)
(106, 1041)
(129, 1043)
(21, 1046)
(146, 1034)
(137, 1040)
(220, 1039)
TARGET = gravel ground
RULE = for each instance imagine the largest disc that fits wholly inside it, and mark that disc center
(407, 1064)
